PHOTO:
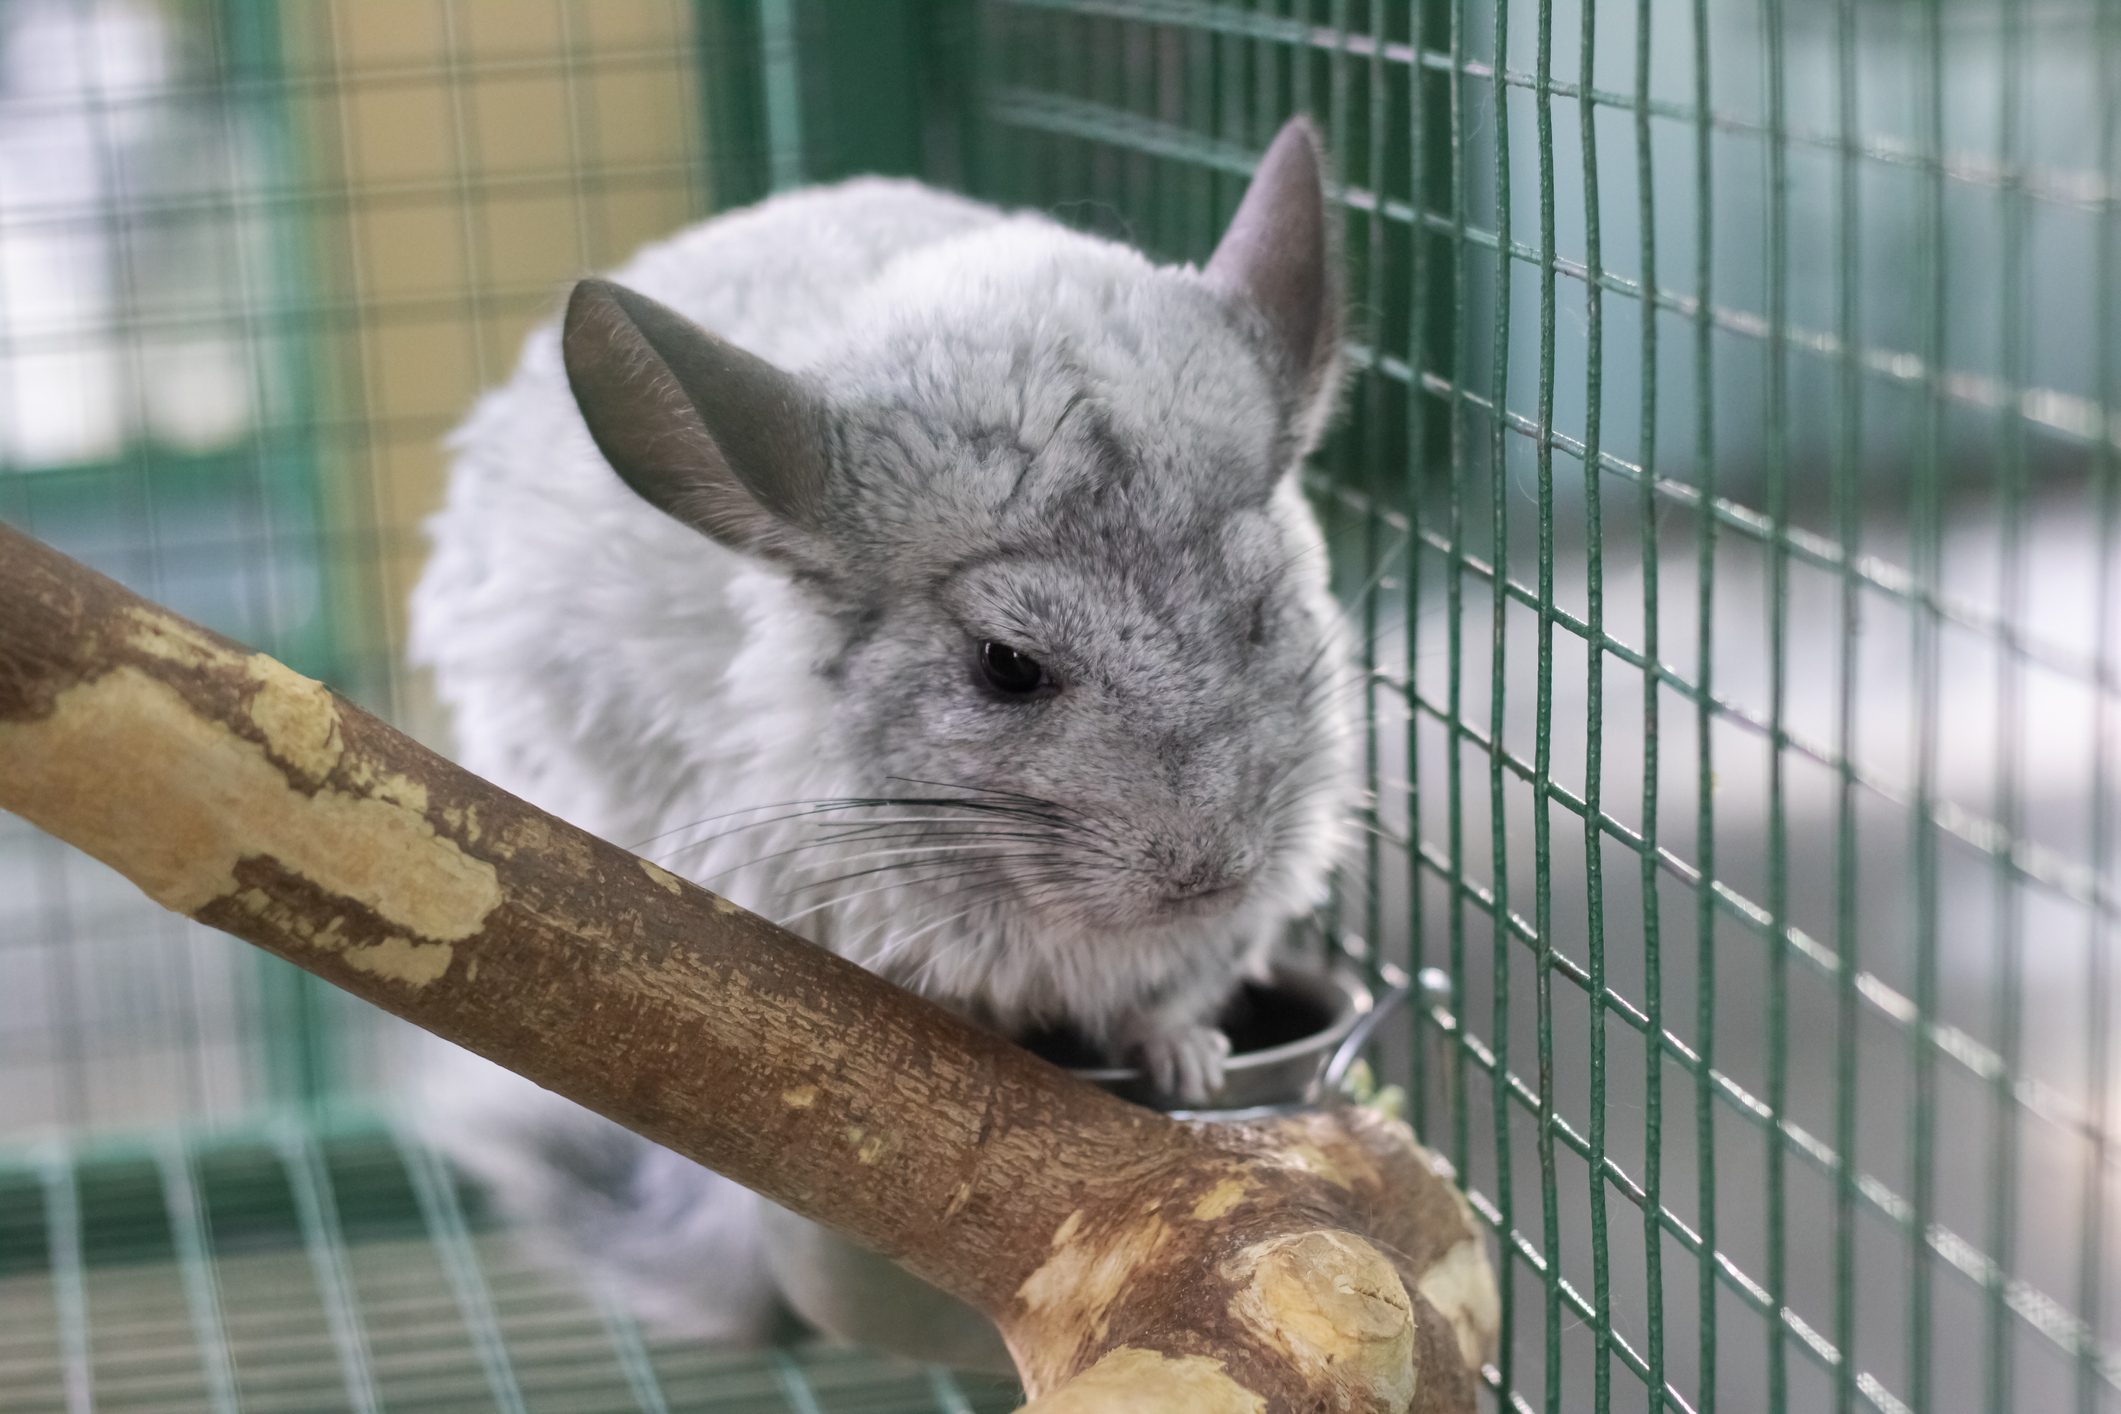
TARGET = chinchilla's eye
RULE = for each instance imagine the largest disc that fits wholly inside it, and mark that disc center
(1009, 671)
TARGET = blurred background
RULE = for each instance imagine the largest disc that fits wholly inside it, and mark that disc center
(1729, 499)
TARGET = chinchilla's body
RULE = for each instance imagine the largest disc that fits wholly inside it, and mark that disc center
(932, 579)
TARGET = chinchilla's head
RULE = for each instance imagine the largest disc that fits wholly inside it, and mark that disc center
(1041, 499)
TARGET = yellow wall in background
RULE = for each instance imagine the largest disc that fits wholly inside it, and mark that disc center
(466, 159)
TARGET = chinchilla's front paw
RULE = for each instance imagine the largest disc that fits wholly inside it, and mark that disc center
(1184, 1063)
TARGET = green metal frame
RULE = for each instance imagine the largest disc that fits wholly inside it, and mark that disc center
(1573, 357)
(808, 91)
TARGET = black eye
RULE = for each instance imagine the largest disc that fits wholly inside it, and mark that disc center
(1008, 671)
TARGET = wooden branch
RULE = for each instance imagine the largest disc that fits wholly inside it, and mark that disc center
(1130, 1261)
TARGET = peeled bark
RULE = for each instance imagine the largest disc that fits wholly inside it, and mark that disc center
(1130, 1260)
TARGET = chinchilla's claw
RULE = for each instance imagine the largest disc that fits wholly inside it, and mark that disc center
(1184, 1064)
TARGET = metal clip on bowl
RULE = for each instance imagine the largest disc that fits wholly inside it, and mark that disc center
(1399, 988)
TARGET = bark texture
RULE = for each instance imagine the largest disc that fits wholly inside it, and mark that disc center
(1130, 1261)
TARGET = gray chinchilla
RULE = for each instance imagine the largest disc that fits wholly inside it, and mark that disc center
(935, 580)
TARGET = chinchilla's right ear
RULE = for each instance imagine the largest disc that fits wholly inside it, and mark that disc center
(1282, 256)
(702, 430)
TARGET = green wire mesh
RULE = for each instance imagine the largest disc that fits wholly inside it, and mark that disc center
(254, 262)
(1729, 504)
(299, 1270)
(1729, 500)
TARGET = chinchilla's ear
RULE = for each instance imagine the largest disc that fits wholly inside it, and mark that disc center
(702, 430)
(1282, 256)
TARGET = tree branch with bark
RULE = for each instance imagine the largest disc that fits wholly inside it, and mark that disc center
(1130, 1260)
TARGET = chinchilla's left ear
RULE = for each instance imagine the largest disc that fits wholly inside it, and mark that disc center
(704, 431)
(1282, 256)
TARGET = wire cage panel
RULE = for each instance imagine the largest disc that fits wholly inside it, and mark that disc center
(298, 1269)
(1728, 498)
(336, 222)
(1728, 501)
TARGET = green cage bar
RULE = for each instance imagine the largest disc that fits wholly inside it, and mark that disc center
(1727, 499)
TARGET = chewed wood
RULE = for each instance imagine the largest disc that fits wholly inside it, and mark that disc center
(1318, 1262)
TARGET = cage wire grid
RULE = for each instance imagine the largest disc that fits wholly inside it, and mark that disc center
(1728, 499)
(336, 221)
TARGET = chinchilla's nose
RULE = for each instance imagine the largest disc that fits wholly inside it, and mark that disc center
(1202, 883)
(1200, 851)
(1202, 870)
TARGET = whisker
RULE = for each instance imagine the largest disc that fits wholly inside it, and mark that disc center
(956, 850)
(996, 884)
(913, 982)
(1040, 806)
(983, 859)
(976, 790)
(801, 809)
(787, 920)
(977, 869)
(677, 850)
(960, 829)
(1377, 576)
(900, 944)
(955, 821)
(952, 852)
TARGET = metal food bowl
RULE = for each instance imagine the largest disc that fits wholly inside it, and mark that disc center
(1292, 1040)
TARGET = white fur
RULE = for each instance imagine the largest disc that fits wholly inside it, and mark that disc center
(623, 671)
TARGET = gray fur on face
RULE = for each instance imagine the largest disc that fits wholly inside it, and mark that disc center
(919, 425)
